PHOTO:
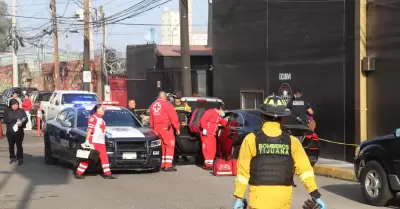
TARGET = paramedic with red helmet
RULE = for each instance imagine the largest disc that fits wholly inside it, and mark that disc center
(209, 125)
(163, 120)
(96, 136)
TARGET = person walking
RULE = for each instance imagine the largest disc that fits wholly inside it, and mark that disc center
(96, 136)
(27, 106)
(15, 119)
(163, 120)
(267, 161)
(209, 123)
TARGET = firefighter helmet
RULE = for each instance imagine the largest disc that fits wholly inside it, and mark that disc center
(274, 106)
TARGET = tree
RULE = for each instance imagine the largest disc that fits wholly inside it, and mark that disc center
(5, 26)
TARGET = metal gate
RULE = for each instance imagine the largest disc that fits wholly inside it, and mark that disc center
(118, 89)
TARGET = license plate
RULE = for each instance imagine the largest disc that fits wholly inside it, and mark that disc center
(129, 155)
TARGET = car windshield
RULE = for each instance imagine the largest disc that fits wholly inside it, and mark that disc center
(203, 104)
(253, 119)
(44, 96)
(71, 98)
(121, 117)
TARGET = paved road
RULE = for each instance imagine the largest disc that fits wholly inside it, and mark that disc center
(35, 185)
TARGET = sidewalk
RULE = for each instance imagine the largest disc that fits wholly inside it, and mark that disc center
(335, 169)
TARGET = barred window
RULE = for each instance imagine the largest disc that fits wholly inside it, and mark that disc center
(251, 99)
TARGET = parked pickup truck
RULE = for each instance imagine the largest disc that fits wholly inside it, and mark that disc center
(62, 99)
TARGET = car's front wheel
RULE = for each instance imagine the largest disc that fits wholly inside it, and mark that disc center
(374, 184)
(48, 155)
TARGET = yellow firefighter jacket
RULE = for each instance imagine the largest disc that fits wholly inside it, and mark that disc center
(271, 197)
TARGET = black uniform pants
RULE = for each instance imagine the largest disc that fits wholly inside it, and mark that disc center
(15, 138)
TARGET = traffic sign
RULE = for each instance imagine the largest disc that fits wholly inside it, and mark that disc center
(87, 76)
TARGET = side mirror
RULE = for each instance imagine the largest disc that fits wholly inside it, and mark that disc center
(57, 103)
(397, 133)
(66, 124)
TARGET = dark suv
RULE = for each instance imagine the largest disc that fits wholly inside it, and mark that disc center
(7, 94)
(377, 168)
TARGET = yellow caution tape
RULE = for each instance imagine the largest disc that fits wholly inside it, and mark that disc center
(339, 143)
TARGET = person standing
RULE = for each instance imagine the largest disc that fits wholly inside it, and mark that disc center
(267, 161)
(131, 107)
(15, 95)
(27, 106)
(15, 119)
(163, 120)
(300, 107)
(96, 136)
(209, 123)
(181, 106)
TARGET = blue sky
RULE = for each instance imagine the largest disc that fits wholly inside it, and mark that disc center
(118, 36)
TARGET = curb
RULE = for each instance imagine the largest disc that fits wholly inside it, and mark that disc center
(334, 172)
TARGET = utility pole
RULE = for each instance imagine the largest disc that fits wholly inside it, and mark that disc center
(185, 49)
(55, 46)
(209, 29)
(14, 38)
(91, 46)
(87, 73)
(103, 57)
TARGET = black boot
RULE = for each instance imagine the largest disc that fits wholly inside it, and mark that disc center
(13, 160)
(170, 169)
(20, 162)
(78, 176)
(110, 176)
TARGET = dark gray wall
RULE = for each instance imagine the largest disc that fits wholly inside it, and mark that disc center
(255, 40)
(383, 40)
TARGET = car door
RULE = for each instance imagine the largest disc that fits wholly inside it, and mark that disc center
(57, 133)
(230, 133)
(71, 134)
(52, 107)
(65, 132)
(187, 142)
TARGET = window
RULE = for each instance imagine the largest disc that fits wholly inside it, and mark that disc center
(71, 117)
(53, 98)
(120, 117)
(71, 98)
(62, 115)
(239, 119)
(251, 99)
(43, 96)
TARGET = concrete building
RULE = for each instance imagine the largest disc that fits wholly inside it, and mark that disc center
(171, 33)
(199, 39)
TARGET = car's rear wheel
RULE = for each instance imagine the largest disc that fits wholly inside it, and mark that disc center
(48, 155)
(374, 184)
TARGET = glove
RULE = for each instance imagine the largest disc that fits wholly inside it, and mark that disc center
(204, 132)
(238, 204)
(321, 203)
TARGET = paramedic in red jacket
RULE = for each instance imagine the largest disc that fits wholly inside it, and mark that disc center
(209, 124)
(163, 120)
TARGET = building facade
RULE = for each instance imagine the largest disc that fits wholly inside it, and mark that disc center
(171, 32)
(199, 39)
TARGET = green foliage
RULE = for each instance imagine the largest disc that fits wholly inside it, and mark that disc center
(5, 25)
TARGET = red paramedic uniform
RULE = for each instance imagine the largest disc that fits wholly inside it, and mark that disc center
(97, 138)
(209, 121)
(163, 120)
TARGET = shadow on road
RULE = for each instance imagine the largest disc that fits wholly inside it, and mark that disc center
(349, 191)
(353, 192)
(37, 173)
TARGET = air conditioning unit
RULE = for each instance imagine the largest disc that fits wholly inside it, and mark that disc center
(368, 64)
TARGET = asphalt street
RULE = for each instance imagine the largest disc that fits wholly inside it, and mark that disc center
(35, 185)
